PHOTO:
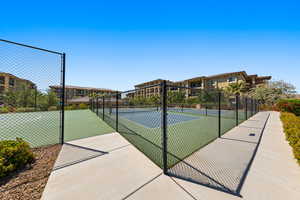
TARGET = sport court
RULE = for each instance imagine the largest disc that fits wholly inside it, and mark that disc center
(101, 177)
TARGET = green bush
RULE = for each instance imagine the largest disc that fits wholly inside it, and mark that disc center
(291, 125)
(266, 107)
(289, 105)
(52, 108)
(14, 155)
(71, 107)
(4, 110)
(21, 109)
(25, 109)
(82, 106)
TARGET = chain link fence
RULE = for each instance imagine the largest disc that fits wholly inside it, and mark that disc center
(136, 117)
(169, 123)
(29, 108)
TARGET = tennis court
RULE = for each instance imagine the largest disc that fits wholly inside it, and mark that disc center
(149, 119)
(42, 128)
(187, 131)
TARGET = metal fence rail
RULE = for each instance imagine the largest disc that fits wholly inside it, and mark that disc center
(29, 108)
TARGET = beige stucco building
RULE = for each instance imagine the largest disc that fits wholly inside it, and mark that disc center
(10, 81)
(73, 92)
(219, 81)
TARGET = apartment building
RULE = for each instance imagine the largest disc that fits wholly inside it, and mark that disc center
(219, 81)
(10, 81)
(147, 89)
(72, 92)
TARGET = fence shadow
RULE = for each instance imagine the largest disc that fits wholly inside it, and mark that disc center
(224, 170)
(72, 154)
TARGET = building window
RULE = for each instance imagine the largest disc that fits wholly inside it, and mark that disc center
(231, 79)
(196, 84)
(2, 80)
(210, 83)
(11, 82)
(80, 92)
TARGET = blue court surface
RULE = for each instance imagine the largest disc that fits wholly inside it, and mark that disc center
(212, 112)
(152, 119)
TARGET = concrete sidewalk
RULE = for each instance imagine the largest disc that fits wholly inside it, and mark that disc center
(223, 164)
(123, 172)
(274, 174)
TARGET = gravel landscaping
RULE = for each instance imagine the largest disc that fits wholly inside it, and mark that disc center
(30, 182)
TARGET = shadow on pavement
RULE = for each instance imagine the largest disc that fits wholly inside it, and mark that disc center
(223, 164)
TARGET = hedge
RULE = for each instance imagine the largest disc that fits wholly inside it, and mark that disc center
(291, 125)
(14, 155)
(289, 105)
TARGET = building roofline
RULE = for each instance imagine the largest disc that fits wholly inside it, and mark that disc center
(82, 88)
(265, 77)
(226, 74)
(243, 73)
(9, 74)
(141, 84)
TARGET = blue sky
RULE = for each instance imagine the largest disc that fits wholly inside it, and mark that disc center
(116, 44)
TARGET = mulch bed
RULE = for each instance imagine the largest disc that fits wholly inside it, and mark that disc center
(29, 183)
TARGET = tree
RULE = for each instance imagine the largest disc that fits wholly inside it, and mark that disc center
(235, 88)
(272, 92)
(52, 98)
(46, 100)
(175, 97)
(206, 96)
(21, 96)
(154, 100)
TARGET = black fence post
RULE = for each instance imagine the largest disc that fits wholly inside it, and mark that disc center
(164, 126)
(219, 113)
(246, 108)
(90, 103)
(206, 110)
(35, 98)
(103, 107)
(256, 103)
(63, 59)
(93, 104)
(97, 106)
(117, 112)
(251, 107)
(237, 109)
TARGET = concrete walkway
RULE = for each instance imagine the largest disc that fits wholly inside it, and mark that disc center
(224, 163)
(116, 170)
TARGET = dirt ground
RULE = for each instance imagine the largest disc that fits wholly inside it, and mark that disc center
(29, 183)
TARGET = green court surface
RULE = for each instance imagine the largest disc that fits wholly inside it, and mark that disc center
(184, 138)
(42, 128)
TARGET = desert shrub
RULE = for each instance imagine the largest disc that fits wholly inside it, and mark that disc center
(71, 107)
(21, 109)
(14, 155)
(82, 106)
(266, 107)
(291, 125)
(289, 105)
(4, 109)
(52, 108)
(25, 109)
(30, 109)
